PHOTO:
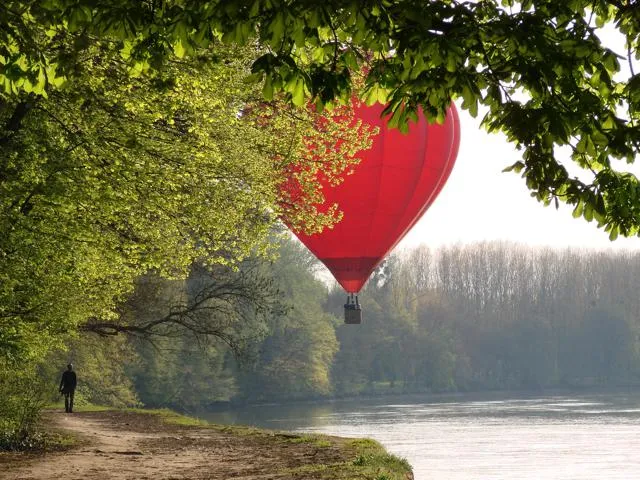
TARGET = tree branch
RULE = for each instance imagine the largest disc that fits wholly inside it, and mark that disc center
(14, 123)
(222, 305)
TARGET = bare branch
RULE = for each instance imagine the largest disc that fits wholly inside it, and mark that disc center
(214, 304)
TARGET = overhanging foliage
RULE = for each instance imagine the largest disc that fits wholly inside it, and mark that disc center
(539, 66)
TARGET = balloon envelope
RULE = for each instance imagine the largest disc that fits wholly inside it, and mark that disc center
(394, 184)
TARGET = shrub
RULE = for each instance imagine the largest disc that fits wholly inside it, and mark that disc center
(24, 394)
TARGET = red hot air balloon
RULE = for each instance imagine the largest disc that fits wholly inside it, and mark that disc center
(394, 184)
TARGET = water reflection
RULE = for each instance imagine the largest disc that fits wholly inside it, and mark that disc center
(466, 437)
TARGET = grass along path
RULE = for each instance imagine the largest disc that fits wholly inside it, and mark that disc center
(153, 445)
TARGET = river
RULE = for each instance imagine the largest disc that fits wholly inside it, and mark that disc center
(570, 436)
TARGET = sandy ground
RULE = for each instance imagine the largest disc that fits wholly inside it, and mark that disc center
(122, 445)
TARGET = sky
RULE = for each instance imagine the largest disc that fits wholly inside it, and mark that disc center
(480, 203)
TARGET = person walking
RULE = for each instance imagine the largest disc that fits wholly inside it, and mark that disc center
(68, 387)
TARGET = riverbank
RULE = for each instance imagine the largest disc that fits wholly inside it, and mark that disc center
(142, 444)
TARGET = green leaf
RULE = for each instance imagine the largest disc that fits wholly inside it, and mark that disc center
(370, 95)
(598, 216)
(276, 27)
(254, 77)
(577, 211)
(452, 64)
(298, 93)
(516, 167)
(470, 101)
(588, 212)
(179, 49)
(267, 88)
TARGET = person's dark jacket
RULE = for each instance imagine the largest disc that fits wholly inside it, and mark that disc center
(68, 382)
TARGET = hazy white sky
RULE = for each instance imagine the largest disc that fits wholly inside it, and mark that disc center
(479, 203)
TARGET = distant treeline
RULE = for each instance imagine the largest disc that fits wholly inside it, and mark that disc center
(461, 318)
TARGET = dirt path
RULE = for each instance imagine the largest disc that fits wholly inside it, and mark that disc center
(122, 445)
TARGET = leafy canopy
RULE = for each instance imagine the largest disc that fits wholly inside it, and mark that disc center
(114, 176)
(539, 66)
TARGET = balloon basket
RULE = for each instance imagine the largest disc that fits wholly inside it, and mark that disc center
(352, 311)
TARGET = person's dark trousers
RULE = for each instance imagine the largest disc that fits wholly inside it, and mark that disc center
(68, 401)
